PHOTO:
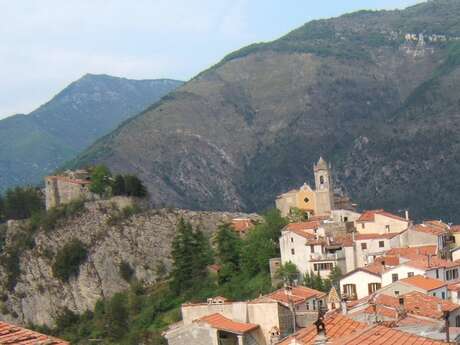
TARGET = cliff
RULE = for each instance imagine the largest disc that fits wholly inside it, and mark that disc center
(143, 240)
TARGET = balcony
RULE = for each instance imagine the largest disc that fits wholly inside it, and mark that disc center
(327, 256)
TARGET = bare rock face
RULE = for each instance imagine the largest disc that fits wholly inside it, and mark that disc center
(143, 240)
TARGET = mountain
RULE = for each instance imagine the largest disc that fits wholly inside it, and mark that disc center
(36, 144)
(375, 92)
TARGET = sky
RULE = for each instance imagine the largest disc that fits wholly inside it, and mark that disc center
(47, 44)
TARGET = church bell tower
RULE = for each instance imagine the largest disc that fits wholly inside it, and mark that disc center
(324, 188)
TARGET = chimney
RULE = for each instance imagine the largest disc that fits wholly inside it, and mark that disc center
(343, 306)
(407, 214)
(446, 318)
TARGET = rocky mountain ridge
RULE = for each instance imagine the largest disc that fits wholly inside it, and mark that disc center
(365, 90)
(36, 144)
(142, 240)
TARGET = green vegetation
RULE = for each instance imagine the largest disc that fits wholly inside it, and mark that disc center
(315, 281)
(140, 314)
(21, 203)
(288, 273)
(68, 260)
(101, 178)
(128, 185)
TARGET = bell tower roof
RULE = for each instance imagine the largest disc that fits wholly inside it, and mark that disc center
(321, 165)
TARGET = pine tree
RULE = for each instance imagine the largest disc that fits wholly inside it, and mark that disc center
(118, 187)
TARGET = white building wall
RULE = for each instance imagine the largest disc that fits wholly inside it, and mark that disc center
(361, 279)
(367, 256)
(350, 263)
(300, 257)
(402, 271)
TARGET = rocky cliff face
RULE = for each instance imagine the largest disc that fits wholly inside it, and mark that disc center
(376, 93)
(143, 240)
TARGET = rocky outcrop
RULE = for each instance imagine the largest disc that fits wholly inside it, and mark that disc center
(143, 240)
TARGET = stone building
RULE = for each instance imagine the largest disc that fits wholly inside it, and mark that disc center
(68, 187)
(318, 201)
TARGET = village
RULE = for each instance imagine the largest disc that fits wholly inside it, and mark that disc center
(400, 280)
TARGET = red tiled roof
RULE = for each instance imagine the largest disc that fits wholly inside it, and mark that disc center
(242, 224)
(369, 216)
(426, 263)
(422, 250)
(375, 267)
(454, 287)
(14, 335)
(361, 237)
(388, 260)
(299, 294)
(69, 180)
(424, 282)
(432, 230)
(220, 322)
(310, 225)
(420, 304)
(382, 310)
(337, 327)
(437, 223)
(383, 335)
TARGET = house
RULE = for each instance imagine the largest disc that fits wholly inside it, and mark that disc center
(215, 329)
(362, 282)
(261, 321)
(430, 233)
(318, 201)
(382, 307)
(370, 246)
(381, 222)
(426, 285)
(343, 330)
(15, 335)
(306, 245)
(68, 187)
(242, 226)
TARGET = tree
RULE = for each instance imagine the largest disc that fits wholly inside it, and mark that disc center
(116, 316)
(118, 187)
(191, 255)
(318, 282)
(228, 245)
(68, 260)
(262, 243)
(22, 203)
(288, 273)
(134, 186)
(100, 180)
(335, 276)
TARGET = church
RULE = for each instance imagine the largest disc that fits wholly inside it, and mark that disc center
(315, 202)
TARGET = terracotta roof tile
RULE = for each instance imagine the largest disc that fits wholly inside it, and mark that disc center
(376, 335)
(299, 294)
(310, 225)
(432, 230)
(361, 237)
(426, 263)
(220, 322)
(369, 216)
(14, 335)
(422, 250)
(337, 327)
(424, 282)
(242, 224)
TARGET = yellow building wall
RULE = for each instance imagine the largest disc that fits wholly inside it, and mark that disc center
(379, 226)
(457, 239)
(305, 194)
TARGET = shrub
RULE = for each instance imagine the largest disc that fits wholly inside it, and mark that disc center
(126, 271)
(68, 260)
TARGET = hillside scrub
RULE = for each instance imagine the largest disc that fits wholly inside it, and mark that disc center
(68, 260)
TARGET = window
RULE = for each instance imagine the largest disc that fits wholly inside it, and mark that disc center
(308, 306)
(314, 304)
(457, 321)
(363, 246)
(372, 287)
(387, 227)
(325, 266)
(306, 200)
(321, 179)
(349, 290)
(312, 248)
(434, 294)
(292, 239)
(437, 273)
(396, 293)
(363, 225)
(443, 295)
(381, 244)
(410, 274)
(345, 219)
(293, 251)
(394, 277)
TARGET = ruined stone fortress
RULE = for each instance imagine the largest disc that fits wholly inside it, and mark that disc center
(67, 187)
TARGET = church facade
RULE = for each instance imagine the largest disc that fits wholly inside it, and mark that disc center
(318, 201)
